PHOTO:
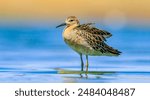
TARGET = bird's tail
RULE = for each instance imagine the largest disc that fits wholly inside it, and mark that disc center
(112, 51)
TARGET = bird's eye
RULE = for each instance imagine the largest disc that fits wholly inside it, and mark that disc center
(71, 20)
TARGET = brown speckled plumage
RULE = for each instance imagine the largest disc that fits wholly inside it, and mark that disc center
(96, 39)
(87, 40)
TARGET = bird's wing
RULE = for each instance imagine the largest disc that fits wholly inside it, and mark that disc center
(92, 39)
(95, 38)
(88, 32)
(104, 48)
(87, 27)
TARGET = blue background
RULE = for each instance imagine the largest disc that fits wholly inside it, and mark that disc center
(33, 52)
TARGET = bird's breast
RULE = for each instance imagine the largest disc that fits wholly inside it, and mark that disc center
(68, 33)
(76, 42)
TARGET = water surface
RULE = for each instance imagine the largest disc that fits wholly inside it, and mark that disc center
(38, 54)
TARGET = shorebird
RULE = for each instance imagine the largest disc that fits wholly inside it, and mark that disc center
(86, 40)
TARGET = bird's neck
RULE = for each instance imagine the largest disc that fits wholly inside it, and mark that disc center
(68, 30)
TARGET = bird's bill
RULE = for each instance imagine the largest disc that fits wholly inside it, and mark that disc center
(63, 24)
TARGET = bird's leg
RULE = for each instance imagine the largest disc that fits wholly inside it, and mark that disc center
(87, 64)
(82, 64)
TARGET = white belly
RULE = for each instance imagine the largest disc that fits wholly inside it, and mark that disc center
(81, 49)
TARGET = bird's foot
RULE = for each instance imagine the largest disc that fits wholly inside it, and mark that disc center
(81, 76)
(86, 76)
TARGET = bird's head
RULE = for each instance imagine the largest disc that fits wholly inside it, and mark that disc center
(71, 20)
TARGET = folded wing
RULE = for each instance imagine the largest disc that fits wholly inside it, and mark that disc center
(96, 38)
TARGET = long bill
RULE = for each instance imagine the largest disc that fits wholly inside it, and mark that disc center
(63, 24)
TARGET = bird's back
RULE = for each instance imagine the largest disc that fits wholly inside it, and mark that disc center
(88, 28)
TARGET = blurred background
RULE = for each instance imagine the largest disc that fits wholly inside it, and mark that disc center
(31, 46)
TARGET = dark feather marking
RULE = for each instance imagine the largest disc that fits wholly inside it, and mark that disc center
(95, 38)
(92, 30)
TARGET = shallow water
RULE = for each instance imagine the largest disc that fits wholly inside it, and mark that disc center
(38, 54)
